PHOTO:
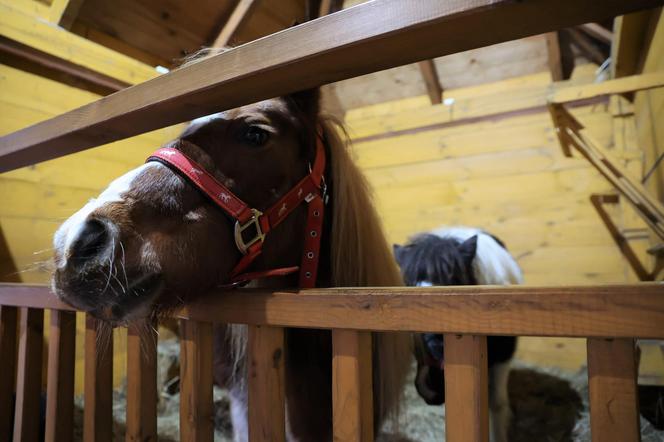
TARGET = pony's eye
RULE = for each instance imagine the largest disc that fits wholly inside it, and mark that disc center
(255, 136)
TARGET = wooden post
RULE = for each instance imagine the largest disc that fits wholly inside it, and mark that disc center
(141, 382)
(553, 55)
(8, 358)
(98, 388)
(60, 383)
(614, 404)
(466, 391)
(352, 386)
(196, 405)
(28, 377)
(265, 365)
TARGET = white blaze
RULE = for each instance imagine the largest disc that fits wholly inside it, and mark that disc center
(69, 230)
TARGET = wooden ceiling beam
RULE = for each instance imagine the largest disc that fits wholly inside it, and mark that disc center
(104, 83)
(238, 18)
(431, 80)
(332, 48)
(586, 46)
(64, 12)
(30, 31)
(568, 94)
(597, 31)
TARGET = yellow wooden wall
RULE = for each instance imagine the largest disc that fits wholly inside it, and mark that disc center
(36, 199)
(506, 175)
(649, 109)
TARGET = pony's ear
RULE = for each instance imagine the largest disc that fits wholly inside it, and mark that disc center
(307, 102)
(468, 249)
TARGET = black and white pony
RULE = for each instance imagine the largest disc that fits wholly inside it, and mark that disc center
(461, 256)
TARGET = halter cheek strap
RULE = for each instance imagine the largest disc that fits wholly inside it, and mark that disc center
(252, 225)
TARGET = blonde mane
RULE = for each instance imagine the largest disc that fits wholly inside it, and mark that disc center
(361, 257)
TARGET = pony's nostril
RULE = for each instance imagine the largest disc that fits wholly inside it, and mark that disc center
(93, 239)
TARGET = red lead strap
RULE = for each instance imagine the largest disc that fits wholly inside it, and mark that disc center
(250, 221)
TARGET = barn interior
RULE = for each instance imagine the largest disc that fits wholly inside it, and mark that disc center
(465, 139)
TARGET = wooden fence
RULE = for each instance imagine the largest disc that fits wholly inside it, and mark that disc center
(366, 38)
(609, 316)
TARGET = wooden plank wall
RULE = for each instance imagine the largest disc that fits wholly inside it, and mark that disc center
(507, 175)
(649, 113)
(36, 199)
(648, 109)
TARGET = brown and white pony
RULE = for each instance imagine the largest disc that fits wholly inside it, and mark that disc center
(151, 241)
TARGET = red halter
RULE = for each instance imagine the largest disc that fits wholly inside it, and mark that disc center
(311, 190)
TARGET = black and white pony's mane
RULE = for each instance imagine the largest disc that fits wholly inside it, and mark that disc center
(457, 256)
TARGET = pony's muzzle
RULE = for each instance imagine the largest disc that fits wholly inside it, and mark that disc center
(93, 243)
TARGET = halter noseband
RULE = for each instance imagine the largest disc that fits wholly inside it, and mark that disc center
(248, 220)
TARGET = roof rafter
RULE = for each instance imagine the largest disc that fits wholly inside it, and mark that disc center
(431, 80)
(64, 12)
(238, 18)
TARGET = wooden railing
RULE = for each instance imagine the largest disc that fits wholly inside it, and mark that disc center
(611, 317)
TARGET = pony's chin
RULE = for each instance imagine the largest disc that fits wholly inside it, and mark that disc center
(115, 306)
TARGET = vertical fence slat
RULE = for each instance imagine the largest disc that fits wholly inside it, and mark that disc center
(352, 386)
(8, 357)
(28, 378)
(466, 389)
(614, 405)
(98, 388)
(60, 381)
(267, 417)
(141, 383)
(196, 405)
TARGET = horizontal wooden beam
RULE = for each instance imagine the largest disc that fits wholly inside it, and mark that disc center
(366, 38)
(567, 94)
(31, 31)
(603, 311)
(60, 65)
(635, 310)
(32, 296)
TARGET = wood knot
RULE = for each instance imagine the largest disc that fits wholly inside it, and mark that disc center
(276, 358)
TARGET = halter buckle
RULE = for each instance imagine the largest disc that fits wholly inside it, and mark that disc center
(243, 246)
